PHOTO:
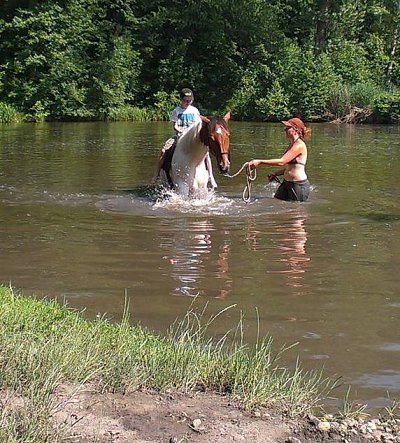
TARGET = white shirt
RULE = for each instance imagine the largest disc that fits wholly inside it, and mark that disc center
(185, 117)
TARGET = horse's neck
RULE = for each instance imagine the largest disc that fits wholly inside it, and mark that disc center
(190, 143)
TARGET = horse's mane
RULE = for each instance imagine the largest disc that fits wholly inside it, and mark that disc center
(209, 127)
(214, 121)
(191, 133)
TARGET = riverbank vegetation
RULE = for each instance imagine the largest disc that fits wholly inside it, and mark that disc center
(264, 60)
(56, 365)
(44, 345)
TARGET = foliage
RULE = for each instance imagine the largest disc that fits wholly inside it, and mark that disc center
(387, 106)
(129, 113)
(93, 59)
(349, 60)
(164, 103)
(115, 81)
(243, 99)
(307, 82)
(338, 103)
(8, 114)
(275, 104)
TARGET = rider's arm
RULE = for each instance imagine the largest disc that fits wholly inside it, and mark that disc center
(177, 129)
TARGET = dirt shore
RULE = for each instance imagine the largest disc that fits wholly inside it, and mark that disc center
(144, 417)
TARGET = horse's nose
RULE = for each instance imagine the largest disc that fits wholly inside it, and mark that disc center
(224, 164)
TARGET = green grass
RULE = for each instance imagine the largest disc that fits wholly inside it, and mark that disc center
(130, 113)
(8, 114)
(43, 344)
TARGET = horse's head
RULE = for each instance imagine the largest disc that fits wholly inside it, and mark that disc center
(215, 134)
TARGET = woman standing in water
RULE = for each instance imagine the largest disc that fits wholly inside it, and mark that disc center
(295, 185)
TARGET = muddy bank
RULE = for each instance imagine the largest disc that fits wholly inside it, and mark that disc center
(151, 418)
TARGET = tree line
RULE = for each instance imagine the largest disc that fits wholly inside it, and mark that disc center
(263, 60)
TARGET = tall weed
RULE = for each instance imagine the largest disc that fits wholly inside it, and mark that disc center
(129, 113)
(9, 114)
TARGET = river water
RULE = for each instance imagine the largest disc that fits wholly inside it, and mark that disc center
(79, 222)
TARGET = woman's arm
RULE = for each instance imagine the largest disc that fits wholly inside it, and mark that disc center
(288, 156)
(269, 162)
(275, 174)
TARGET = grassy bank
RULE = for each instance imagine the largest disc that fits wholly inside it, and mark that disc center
(43, 344)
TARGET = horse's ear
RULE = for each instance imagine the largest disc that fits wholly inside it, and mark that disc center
(205, 119)
(227, 116)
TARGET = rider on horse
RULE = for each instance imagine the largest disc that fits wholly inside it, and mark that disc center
(183, 117)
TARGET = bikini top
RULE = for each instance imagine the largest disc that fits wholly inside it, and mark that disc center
(294, 161)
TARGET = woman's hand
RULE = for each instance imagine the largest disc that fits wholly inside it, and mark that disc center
(272, 177)
(254, 163)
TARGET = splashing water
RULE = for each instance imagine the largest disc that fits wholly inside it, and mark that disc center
(210, 204)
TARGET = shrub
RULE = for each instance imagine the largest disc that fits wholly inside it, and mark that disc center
(242, 101)
(275, 105)
(308, 81)
(386, 106)
(379, 104)
(350, 61)
(127, 113)
(38, 112)
(362, 95)
(338, 102)
(9, 114)
(164, 104)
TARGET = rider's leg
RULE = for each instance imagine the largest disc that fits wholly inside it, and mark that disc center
(167, 145)
(159, 165)
(211, 178)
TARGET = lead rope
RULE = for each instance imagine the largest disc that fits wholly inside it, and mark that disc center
(251, 175)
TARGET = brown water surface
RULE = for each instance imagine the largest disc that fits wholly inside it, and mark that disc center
(78, 222)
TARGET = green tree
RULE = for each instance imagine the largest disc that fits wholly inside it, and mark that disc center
(65, 62)
(91, 58)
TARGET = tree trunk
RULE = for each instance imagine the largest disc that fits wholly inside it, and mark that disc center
(322, 23)
(393, 49)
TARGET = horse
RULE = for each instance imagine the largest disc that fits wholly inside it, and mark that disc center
(188, 175)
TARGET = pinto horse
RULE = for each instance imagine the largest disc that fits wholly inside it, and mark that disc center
(188, 173)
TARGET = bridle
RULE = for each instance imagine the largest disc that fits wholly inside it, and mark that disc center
(215, 134)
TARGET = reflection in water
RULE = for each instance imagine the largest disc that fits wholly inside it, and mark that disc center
(288, 239)
(293, 253)
(223, 268)
(199, 253)
(191, 253)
